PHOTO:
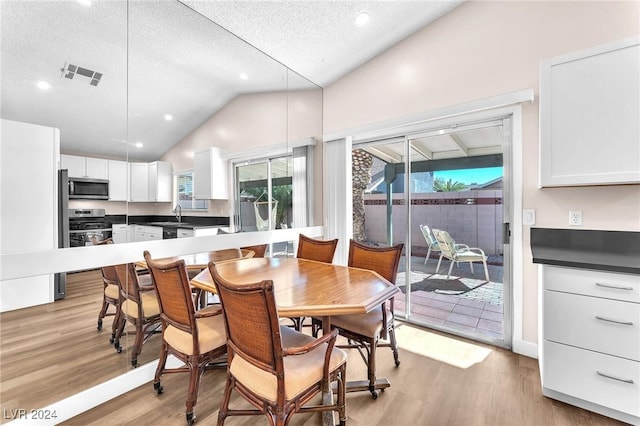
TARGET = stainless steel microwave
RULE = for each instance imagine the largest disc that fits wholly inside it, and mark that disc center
(88, 188)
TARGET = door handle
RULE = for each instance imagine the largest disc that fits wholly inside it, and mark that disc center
(506, 233)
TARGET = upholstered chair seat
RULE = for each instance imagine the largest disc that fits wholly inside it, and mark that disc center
(301, 371)
(211, 335)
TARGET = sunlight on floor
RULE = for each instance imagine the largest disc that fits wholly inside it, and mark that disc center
(440, 348)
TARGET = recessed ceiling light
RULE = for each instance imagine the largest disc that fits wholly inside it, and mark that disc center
(84, 2)
(43, 85)
(362, 18)
(243, 76)
(138, 145)
(168, 117)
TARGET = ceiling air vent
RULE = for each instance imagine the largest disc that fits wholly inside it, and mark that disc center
(69, 71)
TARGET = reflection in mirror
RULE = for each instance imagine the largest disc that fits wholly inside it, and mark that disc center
(63, 67)
(154, 60)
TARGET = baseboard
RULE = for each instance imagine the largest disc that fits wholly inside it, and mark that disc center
(525, 348)
(596, 408)
(74, 405)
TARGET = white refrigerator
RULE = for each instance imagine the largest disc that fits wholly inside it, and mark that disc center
(29, 158)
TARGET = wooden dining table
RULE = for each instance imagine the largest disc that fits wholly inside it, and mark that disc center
(198, 261)
(305, 288)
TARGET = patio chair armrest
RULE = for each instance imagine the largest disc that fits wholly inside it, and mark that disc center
(477, 250)
(461, 246)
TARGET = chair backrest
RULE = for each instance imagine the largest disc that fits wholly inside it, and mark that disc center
(446, 243)
(318, 250)
(383, 260)
(109, 275)
(429, 238)
(128, 282)
(259, 250)
(251, 321)
(174, 295)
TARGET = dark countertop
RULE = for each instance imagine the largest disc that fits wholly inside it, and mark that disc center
(614, 251)
(188, 222)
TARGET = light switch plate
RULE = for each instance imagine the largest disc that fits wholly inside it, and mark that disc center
(528, 217)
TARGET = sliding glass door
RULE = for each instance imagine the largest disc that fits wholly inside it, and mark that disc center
(449, 181)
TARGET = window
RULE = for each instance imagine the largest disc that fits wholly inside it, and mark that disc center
(184, 185)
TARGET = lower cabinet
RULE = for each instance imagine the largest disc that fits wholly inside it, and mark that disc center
(590, 342)
(119, 233)
(147, 233)
(185, 233)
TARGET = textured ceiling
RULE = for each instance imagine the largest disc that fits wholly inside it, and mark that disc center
(169, 59)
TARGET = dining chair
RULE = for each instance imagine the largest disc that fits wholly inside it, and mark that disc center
(367, 332)
(259, 249)
(139, 306)
(197, 338)
(317, 250)
(276, 369)
(111, 293)
(458, 253)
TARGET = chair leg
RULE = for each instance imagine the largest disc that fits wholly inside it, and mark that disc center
(121, 323)
(471, 266)
(164, 351)
(342, 395)
(371, 367)
(114, 325)
(486, 271)
(195, 371)
(394, 345)
(427, 256)
(103, 312)
(450, 269)
(224, 405)
(137, 345)
(438, 267)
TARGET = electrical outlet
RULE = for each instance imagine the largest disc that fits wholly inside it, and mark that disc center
(575, 218)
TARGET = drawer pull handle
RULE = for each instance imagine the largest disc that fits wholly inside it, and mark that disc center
(617, 287)
(612, 320)
(614, 377)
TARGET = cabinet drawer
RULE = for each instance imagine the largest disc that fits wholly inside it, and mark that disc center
(582, 374)
(610, 285)
(603, 325)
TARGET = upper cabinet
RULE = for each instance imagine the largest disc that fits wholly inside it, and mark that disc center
(151, 181)
(590, 116)
(210, 175)
(85, 167)
(118, 171)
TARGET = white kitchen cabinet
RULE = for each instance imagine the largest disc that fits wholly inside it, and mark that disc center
(119, 233)
(160, 181)
(151, 182)
(85, 167)
(185, 233)
(590, 340)
(139, 182)
(210, 175)
(147, 233)
(118, 183)
(590, 116)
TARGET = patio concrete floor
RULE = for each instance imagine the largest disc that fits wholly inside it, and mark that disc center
(477, 312)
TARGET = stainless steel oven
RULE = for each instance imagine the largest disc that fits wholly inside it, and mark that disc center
(87, 224)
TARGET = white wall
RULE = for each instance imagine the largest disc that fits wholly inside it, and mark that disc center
(484, 49)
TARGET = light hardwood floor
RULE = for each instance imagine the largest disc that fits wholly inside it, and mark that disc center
(502, 389)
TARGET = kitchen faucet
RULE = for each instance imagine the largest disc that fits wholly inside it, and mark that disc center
(178, 212)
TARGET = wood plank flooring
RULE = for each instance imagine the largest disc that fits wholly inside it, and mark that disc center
(53, 351)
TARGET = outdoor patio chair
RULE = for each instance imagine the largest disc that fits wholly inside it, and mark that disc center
(432, 244)
(458, 253)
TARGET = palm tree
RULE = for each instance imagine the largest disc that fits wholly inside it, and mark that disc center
(439, 185)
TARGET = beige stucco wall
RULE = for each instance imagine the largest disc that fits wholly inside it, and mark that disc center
(484, 49)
